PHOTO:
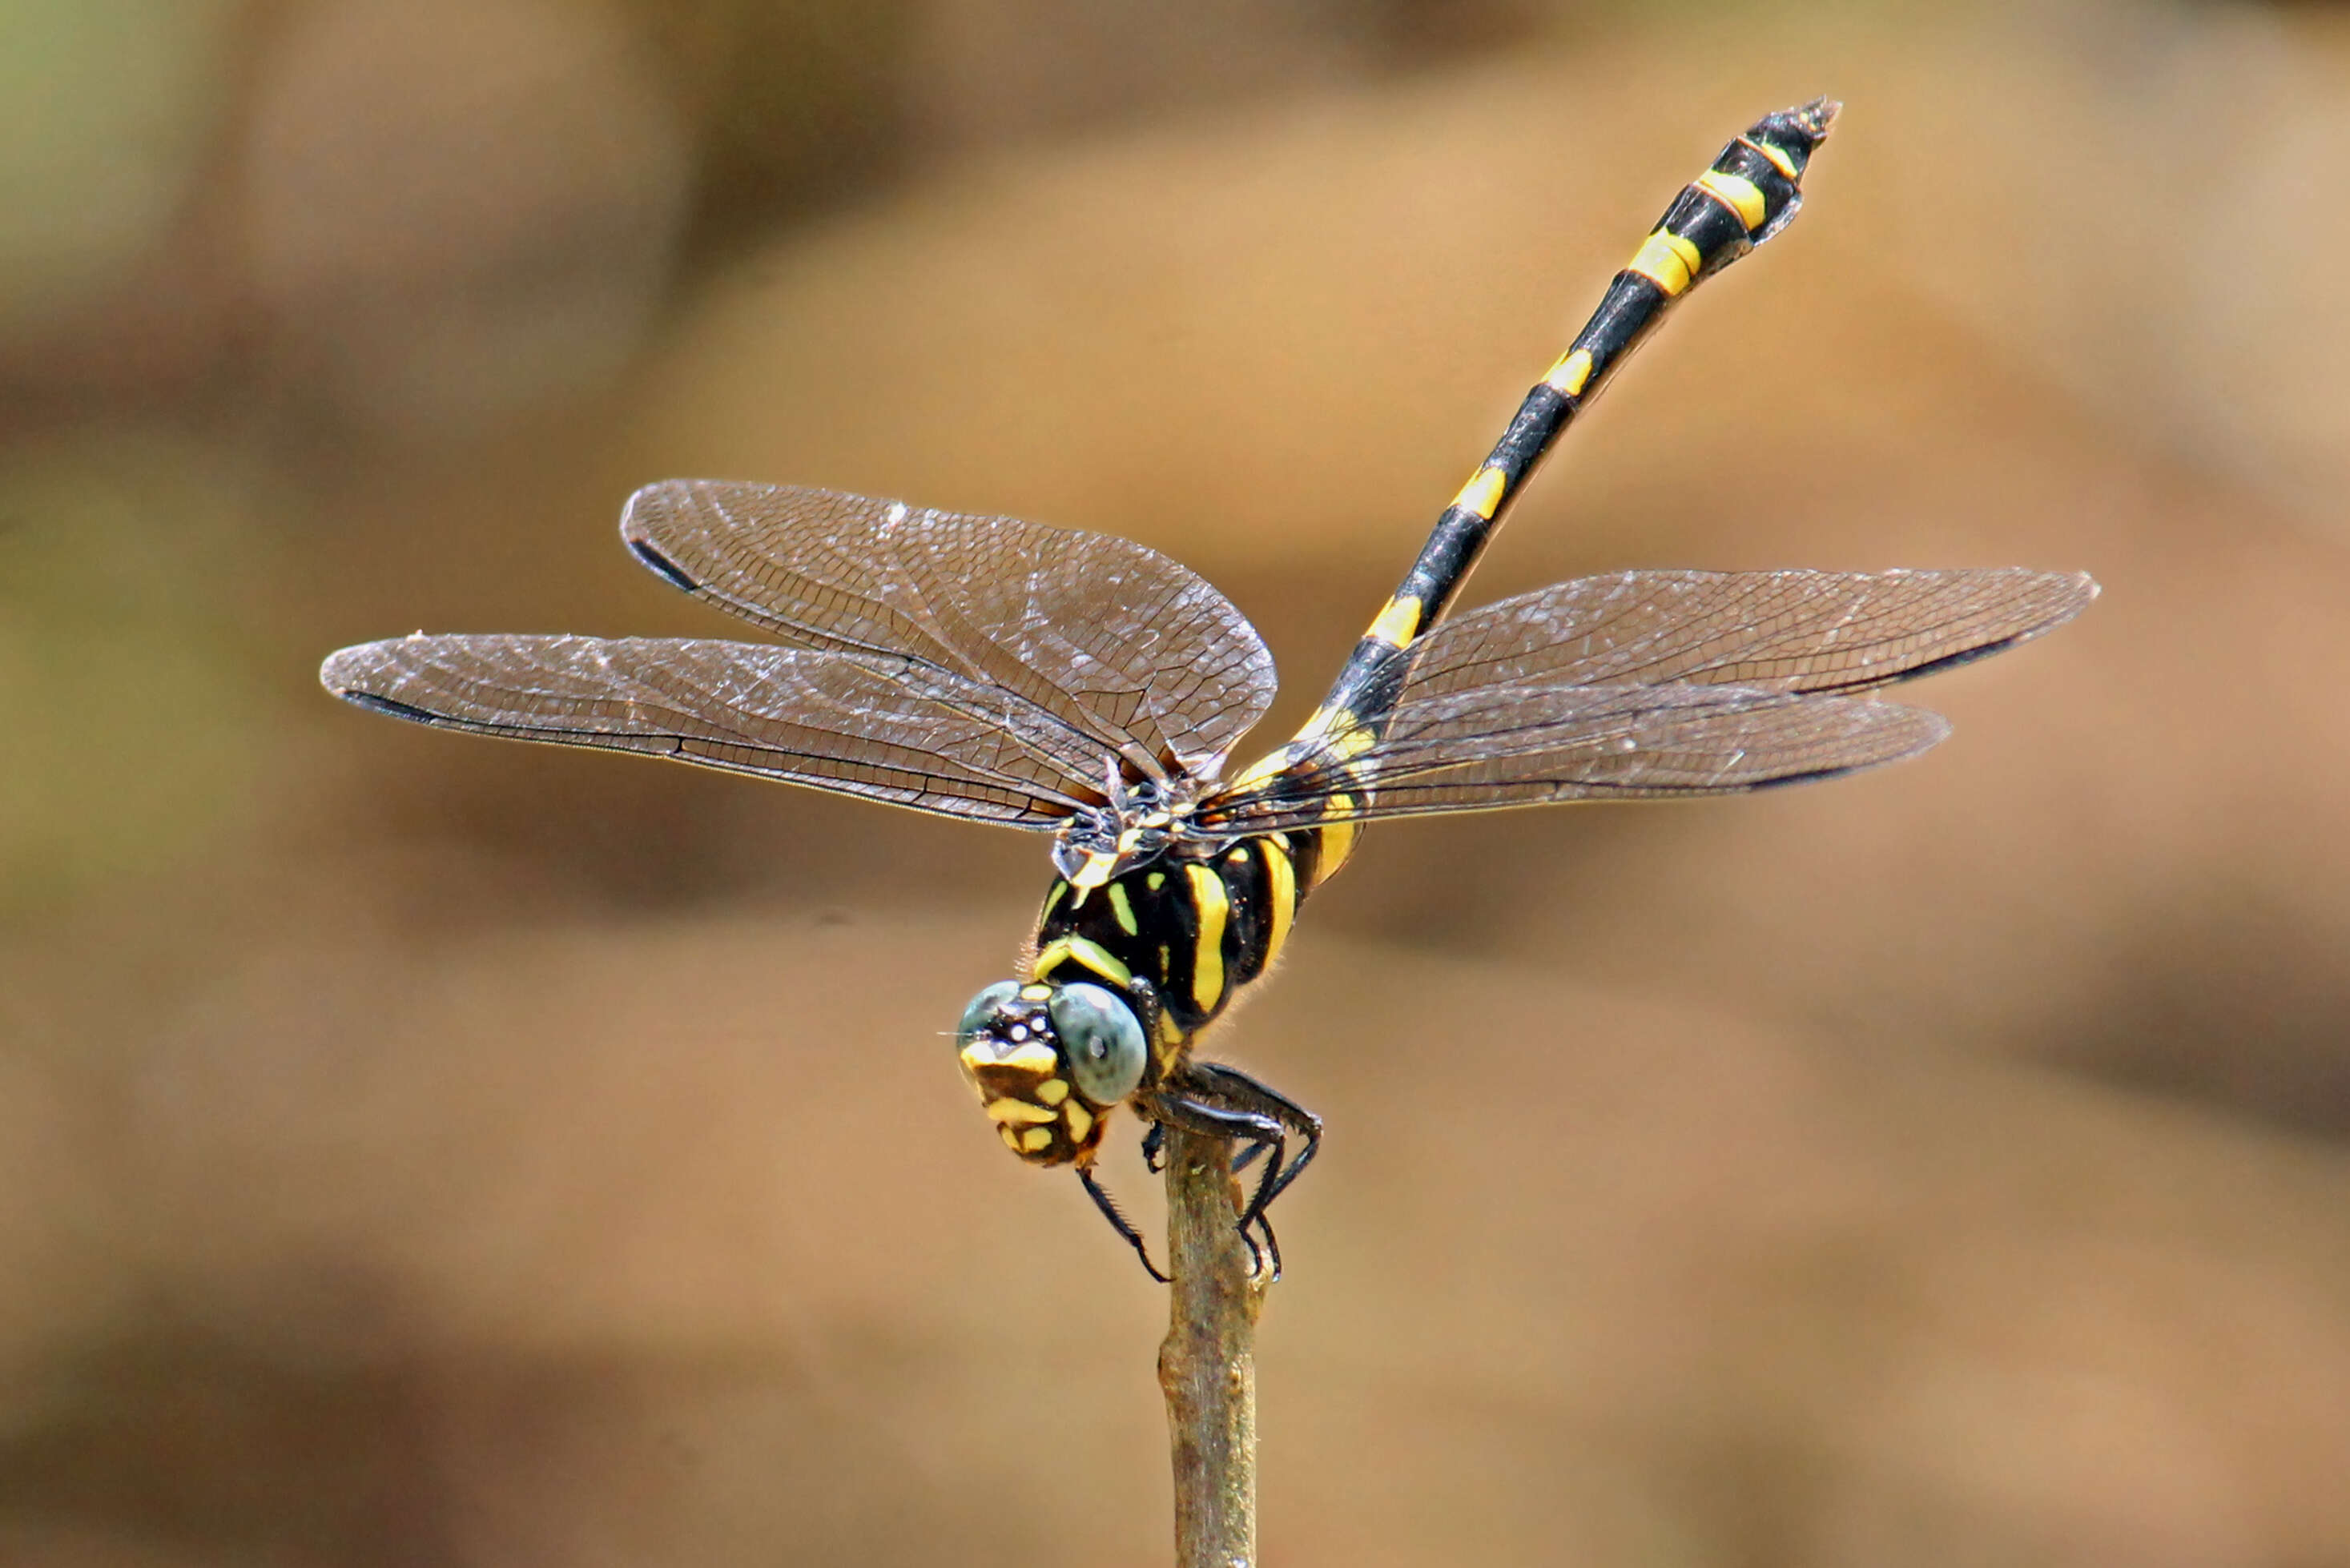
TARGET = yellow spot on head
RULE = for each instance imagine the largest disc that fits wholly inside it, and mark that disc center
(1214, 904)
(1052, 1091)
(1398, 622)
(1035, 1138)
(1011, 1138)
(1009, 1111)
(1482, 494)
(1666, 260)
(1036, 992)
(1080, 1121)
(1122, 909)
(1571, 374)
(1736, 192)
(979, 1058)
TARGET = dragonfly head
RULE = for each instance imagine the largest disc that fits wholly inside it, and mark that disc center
(1050, 1062)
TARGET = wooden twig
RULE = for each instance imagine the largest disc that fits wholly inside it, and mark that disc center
(1207, 1367)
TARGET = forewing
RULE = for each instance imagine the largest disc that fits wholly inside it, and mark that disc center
(1768, 631)
(1523, 745)
(1114, 640)
(834, 721)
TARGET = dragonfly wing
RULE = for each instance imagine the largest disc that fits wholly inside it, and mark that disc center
(1768, 631)
(836, 722)
(1111, 639)
(1524, 745)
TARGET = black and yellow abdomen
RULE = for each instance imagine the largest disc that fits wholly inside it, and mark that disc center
(1196, 927)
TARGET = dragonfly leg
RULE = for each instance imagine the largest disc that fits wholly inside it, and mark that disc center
(1235, 1088)
(1225, 1105)
(1118, 1222)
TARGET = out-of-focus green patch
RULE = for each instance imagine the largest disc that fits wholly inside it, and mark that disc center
(106, 108)
(129, 716)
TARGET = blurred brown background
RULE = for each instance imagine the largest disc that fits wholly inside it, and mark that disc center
(417, 1151)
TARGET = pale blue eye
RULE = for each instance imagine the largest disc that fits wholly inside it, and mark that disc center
(1101, 1039)
(983, 1007)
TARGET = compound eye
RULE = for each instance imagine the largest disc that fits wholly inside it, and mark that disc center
(1102, 1039)
(983, 1006)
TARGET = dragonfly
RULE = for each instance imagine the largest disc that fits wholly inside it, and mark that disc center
(1086, 687)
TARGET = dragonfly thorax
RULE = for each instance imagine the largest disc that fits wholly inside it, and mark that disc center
(1131, 828)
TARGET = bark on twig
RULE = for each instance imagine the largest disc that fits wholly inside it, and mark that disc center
(1207, 1367)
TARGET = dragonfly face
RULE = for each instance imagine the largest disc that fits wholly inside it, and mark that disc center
(1050, 1062)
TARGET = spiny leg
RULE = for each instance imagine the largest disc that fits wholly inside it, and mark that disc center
(1179, 1107)
(1118, 1222)
(1236, 1088)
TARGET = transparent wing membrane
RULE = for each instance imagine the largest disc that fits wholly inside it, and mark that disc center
(835, 721)
(1124, 648)
(1659, 683)
(1478, 750)
(1771, 631)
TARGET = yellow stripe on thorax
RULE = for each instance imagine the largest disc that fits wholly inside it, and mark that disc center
(1085, 951)
(1337, 839)
(1281, 895)
(1215, 905)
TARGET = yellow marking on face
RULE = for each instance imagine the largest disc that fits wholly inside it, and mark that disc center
(1031, 1057)
(1123, 909)
(1080, 1120)
(1089, 952)
(1215, 905)
(1779, 160)
(1052, 1091)
(1036, 992)
(1571, 374)
(1008, 1111)
(1482, 494)
(1281, 878)
(1398, 622)
(1666, 260)
(1736, 192)
(1011, 1137)
(1036, 1138)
